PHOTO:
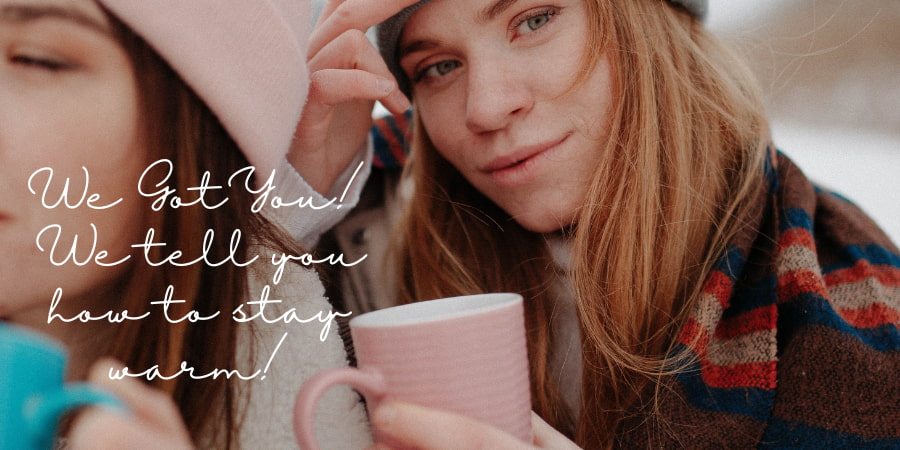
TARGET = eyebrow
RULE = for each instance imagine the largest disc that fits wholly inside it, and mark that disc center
(415, 46)
(31, 13)
(491, 12)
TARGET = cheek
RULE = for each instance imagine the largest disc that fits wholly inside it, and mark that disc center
(590, 107)
(94, 128)
(50, 249)
(105, 158)
(445, 123)
(93, 124)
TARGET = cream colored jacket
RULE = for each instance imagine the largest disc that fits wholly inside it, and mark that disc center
(341, 417)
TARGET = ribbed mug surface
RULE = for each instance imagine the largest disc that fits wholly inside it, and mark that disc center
(463, 354)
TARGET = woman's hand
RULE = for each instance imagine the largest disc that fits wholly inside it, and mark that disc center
(153, 421)
(347, 74)
(427, 428)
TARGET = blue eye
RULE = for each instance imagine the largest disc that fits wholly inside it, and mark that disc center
(535, 22)
(438, 69)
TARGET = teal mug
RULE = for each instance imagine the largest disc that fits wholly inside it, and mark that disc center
(33, 394)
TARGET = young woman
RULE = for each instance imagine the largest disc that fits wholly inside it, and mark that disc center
(686, 284)
(104, 105)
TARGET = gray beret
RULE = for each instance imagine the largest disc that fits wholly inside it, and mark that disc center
(388, 34)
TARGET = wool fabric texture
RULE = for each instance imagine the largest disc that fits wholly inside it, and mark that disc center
(245, 59)
(388, 34)
(796, 337)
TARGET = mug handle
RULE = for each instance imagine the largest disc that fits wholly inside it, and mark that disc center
(369, 382)
(42, 413)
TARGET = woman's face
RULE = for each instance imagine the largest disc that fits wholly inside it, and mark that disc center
(68, 101)
(493, 82)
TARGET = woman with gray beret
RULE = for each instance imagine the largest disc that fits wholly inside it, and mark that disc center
(686, 285)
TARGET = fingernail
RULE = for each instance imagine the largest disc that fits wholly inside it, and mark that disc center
(102, 368)
(384, 85)
(404, 102)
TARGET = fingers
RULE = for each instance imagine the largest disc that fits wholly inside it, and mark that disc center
(154, 420)
(98, 429)
(340, 16)
(368, 77)
(148, 404)
(347, 74)
(327, 10)
(546, 436)
(427, 428)
(330, 87)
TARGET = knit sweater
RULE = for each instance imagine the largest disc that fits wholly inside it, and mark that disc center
(796, 335)
(307, 348)
(341, 421)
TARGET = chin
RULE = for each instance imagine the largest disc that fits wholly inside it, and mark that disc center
(542, 223)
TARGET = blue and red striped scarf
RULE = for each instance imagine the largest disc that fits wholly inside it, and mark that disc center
(798, 331)
(797, 334)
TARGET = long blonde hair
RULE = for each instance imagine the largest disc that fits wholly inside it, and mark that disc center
(686, 154)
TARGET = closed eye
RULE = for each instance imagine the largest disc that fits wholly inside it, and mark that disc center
(49, 64)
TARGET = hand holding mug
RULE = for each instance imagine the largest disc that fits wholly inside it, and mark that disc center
(33, 395)
(431, 429)
(465, 355)
(154, 421)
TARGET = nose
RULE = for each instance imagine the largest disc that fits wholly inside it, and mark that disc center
(495, 96)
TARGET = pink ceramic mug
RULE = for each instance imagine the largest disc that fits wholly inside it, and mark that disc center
(461, 354)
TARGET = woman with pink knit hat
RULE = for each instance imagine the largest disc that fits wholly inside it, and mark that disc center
(154, 109)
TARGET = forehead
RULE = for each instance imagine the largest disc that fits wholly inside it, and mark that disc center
(437, 20)
(455, 16)
(436, 12)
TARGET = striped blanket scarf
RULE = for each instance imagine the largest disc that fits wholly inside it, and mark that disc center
(798, 332)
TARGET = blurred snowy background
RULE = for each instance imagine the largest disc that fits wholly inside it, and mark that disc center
(831, 72)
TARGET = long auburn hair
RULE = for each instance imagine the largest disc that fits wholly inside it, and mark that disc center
(180, 127)
(686, 154)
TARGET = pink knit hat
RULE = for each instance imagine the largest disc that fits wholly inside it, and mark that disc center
(245, 58)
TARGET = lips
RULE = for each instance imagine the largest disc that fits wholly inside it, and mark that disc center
(518, 166)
